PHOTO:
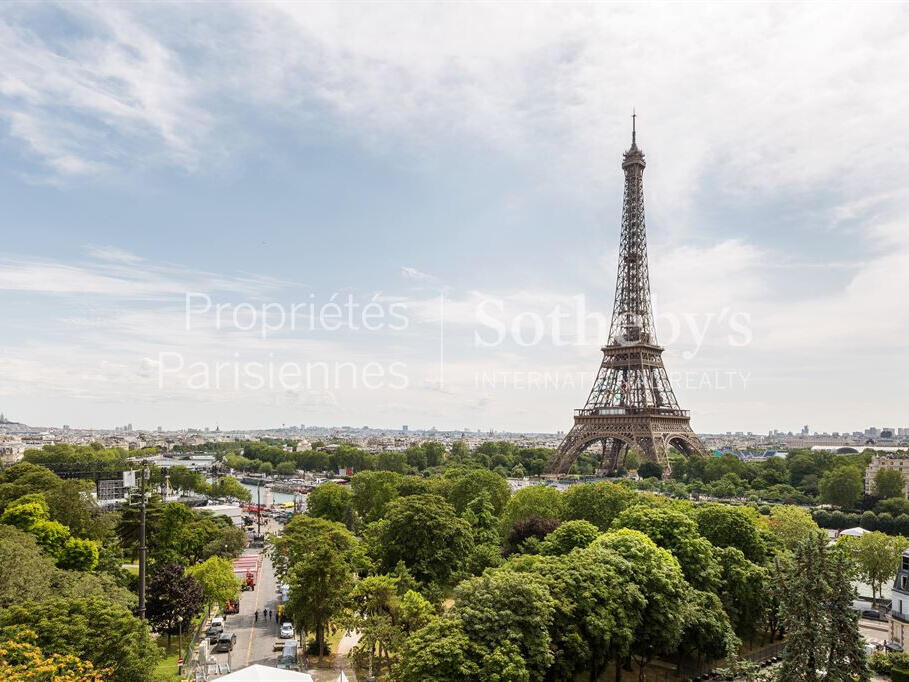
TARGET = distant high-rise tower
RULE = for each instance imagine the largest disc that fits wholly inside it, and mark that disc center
(631, 405)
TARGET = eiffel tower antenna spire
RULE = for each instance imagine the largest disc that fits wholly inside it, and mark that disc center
(631, 406)
(634, 115)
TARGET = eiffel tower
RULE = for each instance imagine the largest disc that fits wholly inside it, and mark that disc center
(631, 406)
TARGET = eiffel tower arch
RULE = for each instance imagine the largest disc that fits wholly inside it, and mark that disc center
(631, 406)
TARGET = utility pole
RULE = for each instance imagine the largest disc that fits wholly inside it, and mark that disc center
(142, 542)
(258, 508)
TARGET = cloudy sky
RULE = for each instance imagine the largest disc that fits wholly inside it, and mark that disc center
(449, 177)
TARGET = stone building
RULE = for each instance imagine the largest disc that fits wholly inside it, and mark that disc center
(897, 462)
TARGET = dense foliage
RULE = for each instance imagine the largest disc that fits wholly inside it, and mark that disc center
(67, 602)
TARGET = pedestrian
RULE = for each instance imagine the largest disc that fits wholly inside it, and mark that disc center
(266, 614)
(257, 616)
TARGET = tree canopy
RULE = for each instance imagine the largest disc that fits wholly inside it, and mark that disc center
(425, 533)
(92, 629)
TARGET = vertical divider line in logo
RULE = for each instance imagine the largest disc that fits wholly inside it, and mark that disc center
(441, 339)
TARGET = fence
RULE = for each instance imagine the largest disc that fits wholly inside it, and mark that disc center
(766, 653)
(189, 654)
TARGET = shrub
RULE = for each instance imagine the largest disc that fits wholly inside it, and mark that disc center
(869, 520)
(650, 470)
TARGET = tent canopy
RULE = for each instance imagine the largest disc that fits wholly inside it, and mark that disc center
(262, 673)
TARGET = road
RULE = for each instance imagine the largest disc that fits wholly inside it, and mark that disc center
(255, 639)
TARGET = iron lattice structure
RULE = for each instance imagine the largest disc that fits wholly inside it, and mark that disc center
(631, 405)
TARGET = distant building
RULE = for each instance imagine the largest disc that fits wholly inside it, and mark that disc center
(11, 452)
(879, 462)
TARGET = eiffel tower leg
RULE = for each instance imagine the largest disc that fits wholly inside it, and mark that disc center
(614, 457)
(568, 451)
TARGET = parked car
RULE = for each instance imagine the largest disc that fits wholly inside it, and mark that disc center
(873, 614)
(226, 641)
(212, 634)
(288, 660)
(287, 630)
(217, 622)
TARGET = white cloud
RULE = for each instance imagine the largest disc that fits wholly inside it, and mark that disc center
(416, 275)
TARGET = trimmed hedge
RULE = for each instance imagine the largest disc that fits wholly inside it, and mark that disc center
(869, 520)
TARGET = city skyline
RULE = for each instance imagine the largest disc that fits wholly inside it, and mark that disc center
(455, 173)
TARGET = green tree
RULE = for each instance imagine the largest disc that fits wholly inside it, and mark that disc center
(25, 571)
(318, 559)
(217, 579)
(72, 504)
(441, 651)
(743, 589)
(597, 609)
(372, 491)
(707, 632)
(676, 532)
(390, 460)
(173, 598)
(894, 506)
(52, 536)
(484, 527)
(841, 486)
(80, 585)
(329, 501)
(539, 501)
(503, 607)
(726, 526)
(186, 479)
(414, 611)
(424, 532)
(286, 468)
(804, 593)
(792, 525)
(231, 488)
(463, 486)
(435, 453)
(226, 542)
(78, 555)
(92, 629)
(650, 469)
(568, 536)
(822, 637)
(846, 659)
(876, 557)
(375, 604)
(598, 503)
(889, 483)
(25, 515)
(459, 451)
(659, 578)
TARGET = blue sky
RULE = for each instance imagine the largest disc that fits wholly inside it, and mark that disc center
(451, 159)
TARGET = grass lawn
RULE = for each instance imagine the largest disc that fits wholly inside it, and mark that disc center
(167, 668)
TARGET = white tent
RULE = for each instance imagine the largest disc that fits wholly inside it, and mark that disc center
(262, 673)
(342, 677)
(854, 532)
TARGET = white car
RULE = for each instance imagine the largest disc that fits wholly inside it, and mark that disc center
(287, 630)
